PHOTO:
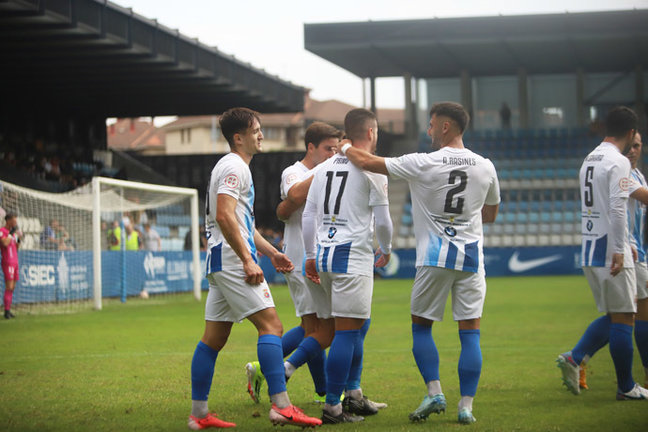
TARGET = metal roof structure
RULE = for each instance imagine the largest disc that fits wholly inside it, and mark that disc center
(93, 56)
(485, 46)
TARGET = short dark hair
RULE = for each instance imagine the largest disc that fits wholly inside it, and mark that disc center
(236, 120)
(619, 121)
(9, 216)
(355, 122)
(320, 131)
(453, 111)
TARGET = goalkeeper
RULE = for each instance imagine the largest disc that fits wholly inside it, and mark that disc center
(9, 242)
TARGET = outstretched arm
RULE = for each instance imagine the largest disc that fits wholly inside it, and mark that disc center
(363, 159)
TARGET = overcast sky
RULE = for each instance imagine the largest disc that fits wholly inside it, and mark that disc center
(270, 34)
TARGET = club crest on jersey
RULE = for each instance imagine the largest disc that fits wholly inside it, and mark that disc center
(332, 232)
(589, 225)
(291, 178)
(450, 231)
(333, 218)
(231, 181)
(625, 183)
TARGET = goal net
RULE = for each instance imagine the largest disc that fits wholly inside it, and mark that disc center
(110, 239)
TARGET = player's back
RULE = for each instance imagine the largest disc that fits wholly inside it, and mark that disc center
(344, 196)
(449, 188)
(604, 175)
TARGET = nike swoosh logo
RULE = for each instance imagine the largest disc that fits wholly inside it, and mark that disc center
(517, 266)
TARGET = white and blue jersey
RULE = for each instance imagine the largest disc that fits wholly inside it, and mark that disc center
(637, 217)
(604, 177)
(343, 197)
(449, 187)
(231, 176)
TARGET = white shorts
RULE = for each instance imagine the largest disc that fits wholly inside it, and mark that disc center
(347, 295)
(231, 299)
(301, 292)
(641, 270)
(432, 286)
(613, 294)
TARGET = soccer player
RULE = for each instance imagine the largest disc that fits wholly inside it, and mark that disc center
(605, 184)
(637, 230)
(342, 206)
(9, 244)
(237, 288)
(453, 192)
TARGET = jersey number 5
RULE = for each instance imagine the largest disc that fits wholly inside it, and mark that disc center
(329, 185)
(588, 194)
(450, 196)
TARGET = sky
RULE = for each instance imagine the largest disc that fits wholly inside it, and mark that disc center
(270, 34)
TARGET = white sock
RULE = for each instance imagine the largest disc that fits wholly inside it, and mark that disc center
(354, 394)
(280, 399)
(289, 368)
(334, 410)
(434, 388)
(466, 402)
(199, 408)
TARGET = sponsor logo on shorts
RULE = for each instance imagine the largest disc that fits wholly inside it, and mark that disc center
(231, 181)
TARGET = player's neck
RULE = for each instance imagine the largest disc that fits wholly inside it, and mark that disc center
(246, 157)
(455, 142)
(615, 142)
(308, 162)
(362, 144)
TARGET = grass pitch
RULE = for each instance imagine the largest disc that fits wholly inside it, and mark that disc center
(127, 367)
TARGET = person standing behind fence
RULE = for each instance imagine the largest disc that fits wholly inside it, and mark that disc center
(9, 243)
(151, 239)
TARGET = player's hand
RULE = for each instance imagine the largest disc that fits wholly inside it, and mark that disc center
(617, 264)
(381, 259)
(341, 143)
(253, 273)
(311, 271)
(282, 263)
(635, 255)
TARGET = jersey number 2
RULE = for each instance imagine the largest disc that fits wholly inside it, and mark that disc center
(450, 196)
(329, 185)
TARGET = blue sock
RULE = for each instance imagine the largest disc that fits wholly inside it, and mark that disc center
(307, 349)
(470, 362)
(594, 338)
(355, 372)
(202, 371)
(317, 367)
(641, 337)
(271, 360)
(425, 352)
(621, 352)
(291, 340)
(338, 363)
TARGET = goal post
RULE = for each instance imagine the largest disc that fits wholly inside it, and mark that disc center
(108, 239)
(98, 207)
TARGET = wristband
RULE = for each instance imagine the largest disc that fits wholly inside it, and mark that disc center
(344, 148)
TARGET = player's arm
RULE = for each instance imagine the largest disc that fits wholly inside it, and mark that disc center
(617, 232)
(384, 232)
(226, 220)
(489, 213)
(295, 198)
(279, 260)
(309, 222)
(5, 240)
(363, 159)
(640, 195)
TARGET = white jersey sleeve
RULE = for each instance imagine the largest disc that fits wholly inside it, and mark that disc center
(293, 241)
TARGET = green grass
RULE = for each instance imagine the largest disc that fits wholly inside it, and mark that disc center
(127, 367)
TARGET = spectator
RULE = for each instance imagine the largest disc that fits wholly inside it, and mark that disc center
(114, 237)
(505, 116)
(132, 238)
(151, 239)
(48, 238)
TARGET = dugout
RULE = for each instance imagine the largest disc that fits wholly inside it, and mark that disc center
(70, 64)
(570, 65)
